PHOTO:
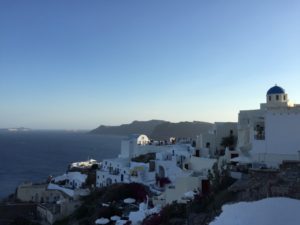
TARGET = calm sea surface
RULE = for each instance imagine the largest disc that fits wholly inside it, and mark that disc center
(34, 155)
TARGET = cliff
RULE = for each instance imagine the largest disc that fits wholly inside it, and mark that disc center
(156, 129)
(136, 127)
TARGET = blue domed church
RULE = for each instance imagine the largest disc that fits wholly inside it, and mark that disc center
(276, 96)
(270, 134)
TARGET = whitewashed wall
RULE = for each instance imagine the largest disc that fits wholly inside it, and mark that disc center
(283, 133)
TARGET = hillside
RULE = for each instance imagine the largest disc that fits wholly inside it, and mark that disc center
(181, 129)
(136, 127)
(157, 129)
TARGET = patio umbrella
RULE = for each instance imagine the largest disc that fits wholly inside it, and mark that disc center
(129, 200)
(115, 218)
(189, 194)
(102, 221)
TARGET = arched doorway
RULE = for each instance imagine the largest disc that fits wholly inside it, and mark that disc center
(108, 181)
(161, 172)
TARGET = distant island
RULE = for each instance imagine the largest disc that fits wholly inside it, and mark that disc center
(156, 129)
(15, 129)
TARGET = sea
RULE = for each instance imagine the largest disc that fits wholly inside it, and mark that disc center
(34, 155)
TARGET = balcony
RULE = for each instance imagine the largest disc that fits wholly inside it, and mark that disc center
(111, 171)
(259, 132)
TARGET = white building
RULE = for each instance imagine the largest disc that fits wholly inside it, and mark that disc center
(130, 146)
(73, 180)
(189, 178)
(175, 163)
(270, 134)
(142, 173)
(184, 169)
(29, 192)
(171, 159)
(113, 171)
(124, 171)
(212, 139)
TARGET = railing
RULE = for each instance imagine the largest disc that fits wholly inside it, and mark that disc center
(111, 172)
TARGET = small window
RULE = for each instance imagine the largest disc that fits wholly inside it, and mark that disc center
(284, 97)
(277, 97)
(270, 98)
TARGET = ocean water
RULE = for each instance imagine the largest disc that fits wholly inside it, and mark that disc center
(34, 155)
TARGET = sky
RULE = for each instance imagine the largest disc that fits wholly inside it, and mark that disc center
(69, 64)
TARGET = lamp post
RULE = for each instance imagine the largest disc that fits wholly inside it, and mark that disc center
(188, 207)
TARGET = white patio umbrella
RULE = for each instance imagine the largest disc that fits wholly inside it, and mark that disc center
(189, 194)
(129, 200)
(102, 221)
(115, 218)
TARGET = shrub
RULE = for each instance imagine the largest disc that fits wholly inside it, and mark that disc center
(22, 221)
(155, 219)
(172, 211)
(82, 212)
(119, 192)
(107, 212)
(146, 158)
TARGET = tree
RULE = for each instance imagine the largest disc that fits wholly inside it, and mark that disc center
(229, 141)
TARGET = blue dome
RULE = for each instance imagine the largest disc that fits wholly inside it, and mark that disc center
(275, 90)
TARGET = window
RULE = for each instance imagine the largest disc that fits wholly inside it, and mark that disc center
(270, 98)
(284, 97)
(277, 97)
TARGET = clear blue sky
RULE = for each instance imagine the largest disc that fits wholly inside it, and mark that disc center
(77, 64)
